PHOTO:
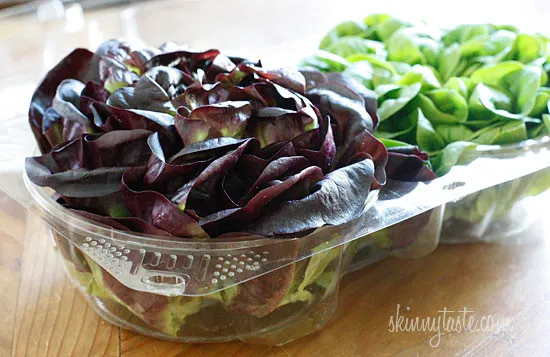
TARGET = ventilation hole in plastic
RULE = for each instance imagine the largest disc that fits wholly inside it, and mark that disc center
(454, 185)
(164, 280)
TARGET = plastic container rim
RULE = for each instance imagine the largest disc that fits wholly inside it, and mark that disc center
(63, 216)
(53, 212)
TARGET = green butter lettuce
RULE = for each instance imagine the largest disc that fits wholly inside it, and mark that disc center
(345, 29)
(449, 91)
(497, 201)
(166, 314)
(311, 279)
(472, 84)
(393, 98)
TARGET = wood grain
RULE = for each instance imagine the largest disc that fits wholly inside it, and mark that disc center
(507, 282)
(11, 248)
(52, 318)
(46, 316)
(42, 314)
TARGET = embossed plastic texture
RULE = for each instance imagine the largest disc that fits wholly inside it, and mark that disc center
(260, 290)
(267, 290)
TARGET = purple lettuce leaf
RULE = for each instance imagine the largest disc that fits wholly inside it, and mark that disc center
(353, 127)
(115, 75)
(108, 205)
(313, 77)
(273, 124)
(198, 95)
(293, 187)
(113, 49)
(208, 179)
(74, 66)
(254, 164)
(206, 149)
(126, 224)
(369, 96)
(225, 119)
(282, 167)
(155, 208)
(108, 68)
(52, 127)
(285, 77)
(308, 146)
(153, 91)
(408, 163)
(334, 201)
(246, 74)
(166, 176)
(91, 165)
(138, 58)
(67, 101)
(186, 60)
(261, 295)
(345, 107)
(199, 144)
(107, 118)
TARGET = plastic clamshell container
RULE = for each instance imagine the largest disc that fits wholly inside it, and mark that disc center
(254, 289)
(500, 213)
(257, 289)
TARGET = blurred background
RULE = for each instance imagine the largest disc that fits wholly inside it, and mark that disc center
(35, 35)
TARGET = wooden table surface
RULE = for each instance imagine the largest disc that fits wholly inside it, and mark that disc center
(41, 314)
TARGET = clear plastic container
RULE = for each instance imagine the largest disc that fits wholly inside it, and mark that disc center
(267, 290)
(502, 212)
(253, 289)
